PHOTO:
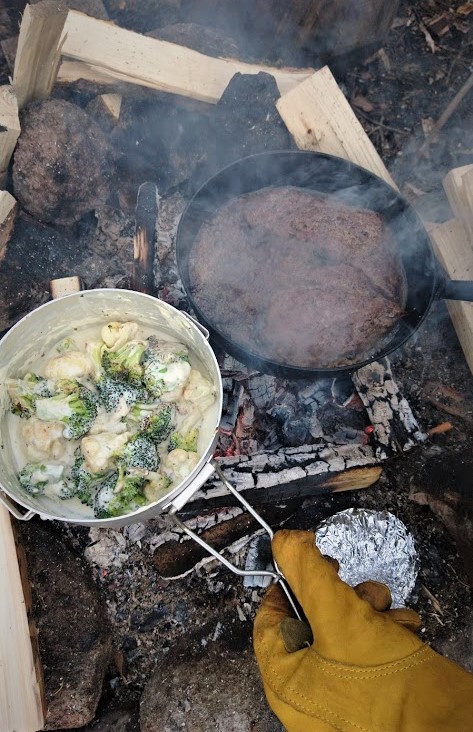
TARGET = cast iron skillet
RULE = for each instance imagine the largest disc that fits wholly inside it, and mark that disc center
(350, 184)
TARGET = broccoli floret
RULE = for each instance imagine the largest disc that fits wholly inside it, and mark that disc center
(140, 452)
(112, 391)
(81, 481)
(67, 344)
(160, 378)
(125, 364)
(186, 442)
(25, 392)
(76, 410)
(156, 486)
(95, 351)
(34, 477)
(120, 493)
(104, 495)
(158, 426)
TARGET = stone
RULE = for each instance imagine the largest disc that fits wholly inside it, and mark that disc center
(74, 636)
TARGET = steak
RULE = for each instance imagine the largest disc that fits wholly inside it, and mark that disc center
(298, 278)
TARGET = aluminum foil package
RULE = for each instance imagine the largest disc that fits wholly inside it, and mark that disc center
(371, 545)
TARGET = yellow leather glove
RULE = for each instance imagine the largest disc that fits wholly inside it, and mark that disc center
(364, 671)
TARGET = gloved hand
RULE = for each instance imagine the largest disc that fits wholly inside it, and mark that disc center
(364, 671)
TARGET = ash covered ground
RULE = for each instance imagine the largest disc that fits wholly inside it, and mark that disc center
(199, 626)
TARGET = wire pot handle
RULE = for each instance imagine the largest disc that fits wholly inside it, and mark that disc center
(180, 501)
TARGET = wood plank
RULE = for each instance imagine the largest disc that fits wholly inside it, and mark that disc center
(455, 254)
(38, 53)
(9, 128)
(319, 117)
(64, 286)
(458, 185)
(131, 57)
(21, 700)
(8, 211)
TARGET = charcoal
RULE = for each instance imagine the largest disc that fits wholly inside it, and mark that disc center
(245, 121)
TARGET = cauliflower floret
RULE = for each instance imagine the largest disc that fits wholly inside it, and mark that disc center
(100, 450)
(112, 422)
(188, 416)
(70, 365)
(199, 391)
(115, 335)
(178, 464)
(44, 440)
(166, 380)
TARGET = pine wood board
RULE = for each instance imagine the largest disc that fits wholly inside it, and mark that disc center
(455, 253)
(458, 185)
(9, 126)
(21, 697)
(38, 53)
(319, 118)
(126, 56)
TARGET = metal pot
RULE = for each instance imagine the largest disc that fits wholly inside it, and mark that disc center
(50, 323)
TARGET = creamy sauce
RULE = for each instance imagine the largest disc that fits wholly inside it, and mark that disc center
(14, 425)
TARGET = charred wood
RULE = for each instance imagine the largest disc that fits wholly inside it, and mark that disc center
(146, 215)
(395, 427)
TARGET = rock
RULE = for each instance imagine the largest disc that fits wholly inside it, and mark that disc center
(61, 167)
(73, 629)
(220, 691)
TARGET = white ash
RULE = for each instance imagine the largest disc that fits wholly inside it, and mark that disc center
(107, 548)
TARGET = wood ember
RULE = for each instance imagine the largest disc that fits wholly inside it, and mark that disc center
(395, 427)
(61, 166)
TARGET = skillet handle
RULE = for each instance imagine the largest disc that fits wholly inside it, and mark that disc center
(456, 290)
(277, 575)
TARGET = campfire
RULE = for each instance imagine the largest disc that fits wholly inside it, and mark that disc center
(129, 141)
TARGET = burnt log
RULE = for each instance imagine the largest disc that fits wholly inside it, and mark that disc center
(395, 427)
(177, 554)
(293, 472)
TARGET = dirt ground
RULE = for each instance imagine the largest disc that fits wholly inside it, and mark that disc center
(397, 93)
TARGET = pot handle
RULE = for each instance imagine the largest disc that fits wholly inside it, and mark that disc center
(277, 575)
(456, 290)
(14, 510)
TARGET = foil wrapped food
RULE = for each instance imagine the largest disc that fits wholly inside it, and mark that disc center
(371, 545)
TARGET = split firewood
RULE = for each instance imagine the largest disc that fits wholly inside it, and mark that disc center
(458, 185)
(64, 286)
(395, 427)
(105, 110)
(146, 215)
(38, 53)
(8, 211)
(319, 118)
(455, 254)
(9, 128)
(100, 51)
(21, 683)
